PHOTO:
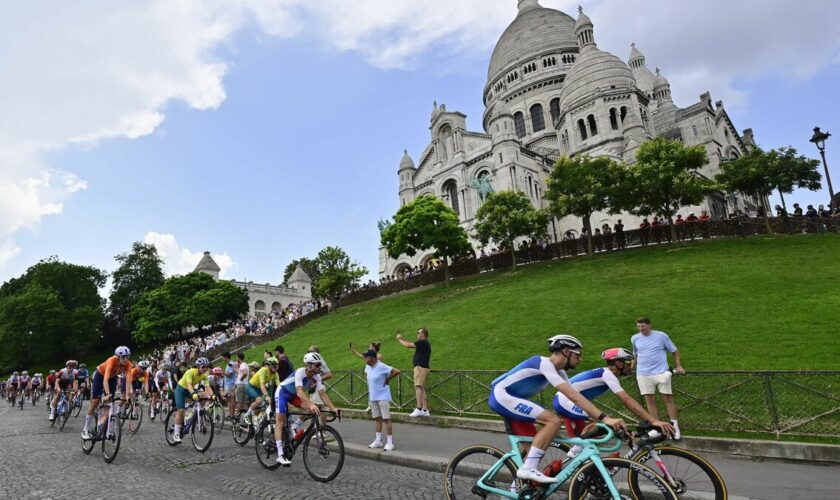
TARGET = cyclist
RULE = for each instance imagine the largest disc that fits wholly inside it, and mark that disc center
(187, 387)
(295, 391)
(510, 392)
(14, 380)
(50, 383)
(257, 389)
(215, 380)
(23, 384)
(159, 385)
(105, 382)
(82, 375)
(63, 379)
(593, 383)
(139, 377)
(36, 383)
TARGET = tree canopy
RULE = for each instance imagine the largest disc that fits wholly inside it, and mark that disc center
(55, 306)
(423, 224)
(507, 215)
(581, 186)
(138, 271)
(336, 272)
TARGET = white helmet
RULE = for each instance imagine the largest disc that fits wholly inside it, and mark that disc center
(25, 373)
(559, 342)
(202, 362)
(312, 357)
(143, 364)
(122, 351)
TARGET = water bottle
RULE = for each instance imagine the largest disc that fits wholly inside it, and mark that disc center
(553, 468)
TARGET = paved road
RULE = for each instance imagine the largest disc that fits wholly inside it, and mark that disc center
(148, 468)
(146, 465)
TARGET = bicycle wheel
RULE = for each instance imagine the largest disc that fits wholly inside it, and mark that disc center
(468, 465)
(265, 446)
(588, 483)
(242, 432)
(63, 415)
(87, 445)
(202, 432)
(111, 441)
(164, 411)
(693, 475)
(217, 412)
(135, 417)
(77, 408)
(169, 427)
(323, 453)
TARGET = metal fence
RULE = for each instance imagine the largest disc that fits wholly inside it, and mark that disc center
(777, 403)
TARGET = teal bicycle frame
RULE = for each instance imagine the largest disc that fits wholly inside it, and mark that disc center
(591, 451)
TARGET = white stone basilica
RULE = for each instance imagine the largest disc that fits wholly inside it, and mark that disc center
(552, 92)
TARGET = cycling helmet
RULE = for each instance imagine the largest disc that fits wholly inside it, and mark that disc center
(52, 372)
(254, 365)
(25, 373)
(143, 364)
(559, 342)
(202, 362)
(218, 372)
(82, 366)
(272, 361)
(312, 357)
(15, 374)
(122, 351)
(616, 354)
(71, 362)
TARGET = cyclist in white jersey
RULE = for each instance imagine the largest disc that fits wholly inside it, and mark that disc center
(510, 393)
(593, 383)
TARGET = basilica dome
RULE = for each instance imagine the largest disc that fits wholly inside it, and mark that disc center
(535, 31)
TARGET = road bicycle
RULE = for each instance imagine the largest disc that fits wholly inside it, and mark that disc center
(323, 448)
(197, 423)
(217, 414)
(485, 471)
(132, 413)
(34, 396)
(108, 432)
(76, 404)
(62, 412)
(242, 431)
(687, 473)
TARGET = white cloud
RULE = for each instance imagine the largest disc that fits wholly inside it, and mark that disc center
(82, 72)
(182, 260)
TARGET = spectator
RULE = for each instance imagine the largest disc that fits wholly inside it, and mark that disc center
(230, 382)
(606, 230)
(243, 375)
(651, 364)
(422, 356)
(376, 346)
(379, 395)
(285, 368)
(620, 239)
(797, 211)
(812, 212)
(644, 231)
(781, 212)
(823, 212)
(598, 239)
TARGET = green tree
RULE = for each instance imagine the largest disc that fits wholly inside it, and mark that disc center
(139, 271)
(664, 178)
(508, 215)
(336, 273)
(581, 186)
(224, 302)
(310, 266)
(423, 224)
(55, 306)
(792, 171)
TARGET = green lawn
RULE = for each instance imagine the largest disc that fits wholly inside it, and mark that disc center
(759, 303)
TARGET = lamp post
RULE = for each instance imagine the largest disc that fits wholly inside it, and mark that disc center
(818, 139)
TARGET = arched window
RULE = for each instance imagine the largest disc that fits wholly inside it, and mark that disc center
(276, 307)
(519, 124)
(259, 306)
(554, 108)
(593, 127)
(613, 119)
(582, 129)
(623, 113)
(537, 117)
(450, 189)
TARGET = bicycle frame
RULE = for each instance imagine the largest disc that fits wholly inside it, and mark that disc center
(104, 430)
(652, 453)
(591, 451)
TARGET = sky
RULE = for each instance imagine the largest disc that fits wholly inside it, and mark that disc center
(265, 130)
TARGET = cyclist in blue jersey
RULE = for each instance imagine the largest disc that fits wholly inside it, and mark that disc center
(593, 383)
(83, 376)
(510, 393)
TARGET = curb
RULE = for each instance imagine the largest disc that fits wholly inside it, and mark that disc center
(748, 448)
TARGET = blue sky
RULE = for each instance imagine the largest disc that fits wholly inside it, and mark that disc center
(289, 138)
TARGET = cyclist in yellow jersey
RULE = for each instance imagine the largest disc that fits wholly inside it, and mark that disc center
(187, 388)
(257, 387)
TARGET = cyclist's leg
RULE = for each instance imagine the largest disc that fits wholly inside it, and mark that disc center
(282, 400)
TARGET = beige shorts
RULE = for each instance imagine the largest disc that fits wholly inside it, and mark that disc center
(649, 384)
(420, 375)
(315, 397)
(239, 393)
(381, 409)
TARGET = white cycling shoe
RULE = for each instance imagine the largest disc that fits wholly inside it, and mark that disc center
(283, 460)
(176, 438)
(534, 475)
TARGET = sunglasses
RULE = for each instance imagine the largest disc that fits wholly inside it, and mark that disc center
(574, 352)
(123, 358)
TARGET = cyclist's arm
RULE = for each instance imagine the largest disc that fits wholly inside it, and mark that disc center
(640, 412)
(305, 402)
(326, 399)
(587, 406)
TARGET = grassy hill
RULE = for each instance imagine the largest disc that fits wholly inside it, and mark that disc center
(748, 304)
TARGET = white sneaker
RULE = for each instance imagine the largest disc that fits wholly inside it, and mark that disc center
(176, 438)
(52, 417)
(375, 444)
(416, 413)
(86, 435)
(677, 435)
(282, 460)
(425, 413)
(534, 475)
(389, 447)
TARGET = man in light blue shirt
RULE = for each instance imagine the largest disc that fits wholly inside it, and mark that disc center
(651, 364)
(379, 393)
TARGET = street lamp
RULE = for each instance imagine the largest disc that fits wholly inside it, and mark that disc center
(818, 139)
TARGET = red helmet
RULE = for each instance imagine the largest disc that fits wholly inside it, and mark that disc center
(617, 354)
(217, 371)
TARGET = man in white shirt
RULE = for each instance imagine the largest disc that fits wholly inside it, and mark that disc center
(379, 394)
(242, 378)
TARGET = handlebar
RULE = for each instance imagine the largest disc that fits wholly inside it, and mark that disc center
(588, 439)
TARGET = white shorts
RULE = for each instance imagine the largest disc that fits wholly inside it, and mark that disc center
(381, 409)
(649, 384)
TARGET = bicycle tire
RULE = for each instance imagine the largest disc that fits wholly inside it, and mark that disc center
(714, 483)
(77, 409)
(322, 449)
(588, 483)
(218, 415)
(265, 447)
(109, 456)
(135, 417)
(202, 430)
(165, 408)
(169, 427)
(455, 482)
(242, 432)
(88, 444)
(64, 415)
